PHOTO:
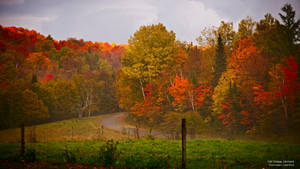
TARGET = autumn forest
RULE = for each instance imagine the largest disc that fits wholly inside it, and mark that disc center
(232, 84)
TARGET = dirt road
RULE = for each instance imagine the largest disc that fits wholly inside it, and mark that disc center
(115, 121)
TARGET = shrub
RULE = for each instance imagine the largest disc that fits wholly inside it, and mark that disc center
(150, 137)
(30, 155)
(108, 154)
(159, 161)
(69, 156)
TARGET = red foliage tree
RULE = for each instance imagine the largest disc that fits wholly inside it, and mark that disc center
(226, 115)
(201, 92)
(289, 86)
(262, 97)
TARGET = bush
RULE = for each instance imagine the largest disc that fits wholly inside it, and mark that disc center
(30, 155)
(69, 156)
(150, 137)
(142, 161)
(159, 161)
(108, 154)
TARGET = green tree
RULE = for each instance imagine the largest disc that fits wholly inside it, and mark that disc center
(61, 97)
(221, 91)
(87, 88)
(278, 40)
(292, 26)
(291, 29)
(209, 35)
(220, 62)
(272, 40)
(226, 32)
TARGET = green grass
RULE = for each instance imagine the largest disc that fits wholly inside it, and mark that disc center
(83, 130)
(55, 143)
(146, 153)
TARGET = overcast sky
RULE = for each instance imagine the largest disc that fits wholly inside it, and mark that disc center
(117, 20)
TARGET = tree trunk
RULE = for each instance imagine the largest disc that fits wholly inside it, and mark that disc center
(137, 131)
(192, 100)
(89, 108)
(284, 105)
(143, 92)
(22, 139)
(72, 132)
(283, 101)
(90, 103)
(181, 76)
(34, 134)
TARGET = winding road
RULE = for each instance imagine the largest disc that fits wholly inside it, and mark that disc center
(115, 121)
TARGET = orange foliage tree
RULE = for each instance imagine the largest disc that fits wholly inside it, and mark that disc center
(148, 111)
(186, 95)
(178, 90)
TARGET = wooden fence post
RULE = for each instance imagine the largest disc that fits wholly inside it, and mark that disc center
(22, 139)
(183, 134)
(72, 132)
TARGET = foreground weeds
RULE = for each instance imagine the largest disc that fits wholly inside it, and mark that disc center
(150, 154)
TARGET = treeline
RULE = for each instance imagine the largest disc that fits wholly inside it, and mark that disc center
(42, 78)
(234, 82)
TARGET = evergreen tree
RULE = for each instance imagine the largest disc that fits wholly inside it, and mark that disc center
(234, 101)
(220, 61)
(291, 30)
(292, 26)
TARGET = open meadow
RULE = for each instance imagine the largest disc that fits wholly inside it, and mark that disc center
(56, 148)
(83, 130)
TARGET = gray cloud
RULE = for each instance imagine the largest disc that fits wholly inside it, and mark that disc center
(11, 2)
(116, 21)
(28, 21)
(238, 9)
(186, 17)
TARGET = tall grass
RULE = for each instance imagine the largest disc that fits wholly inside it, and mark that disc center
(161, 153)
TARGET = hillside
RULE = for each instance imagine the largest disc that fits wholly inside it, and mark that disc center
(69, 78)
(83, 130)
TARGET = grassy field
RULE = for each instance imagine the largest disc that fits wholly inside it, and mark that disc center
(83, 130)
(162, 153)
(56, 146)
